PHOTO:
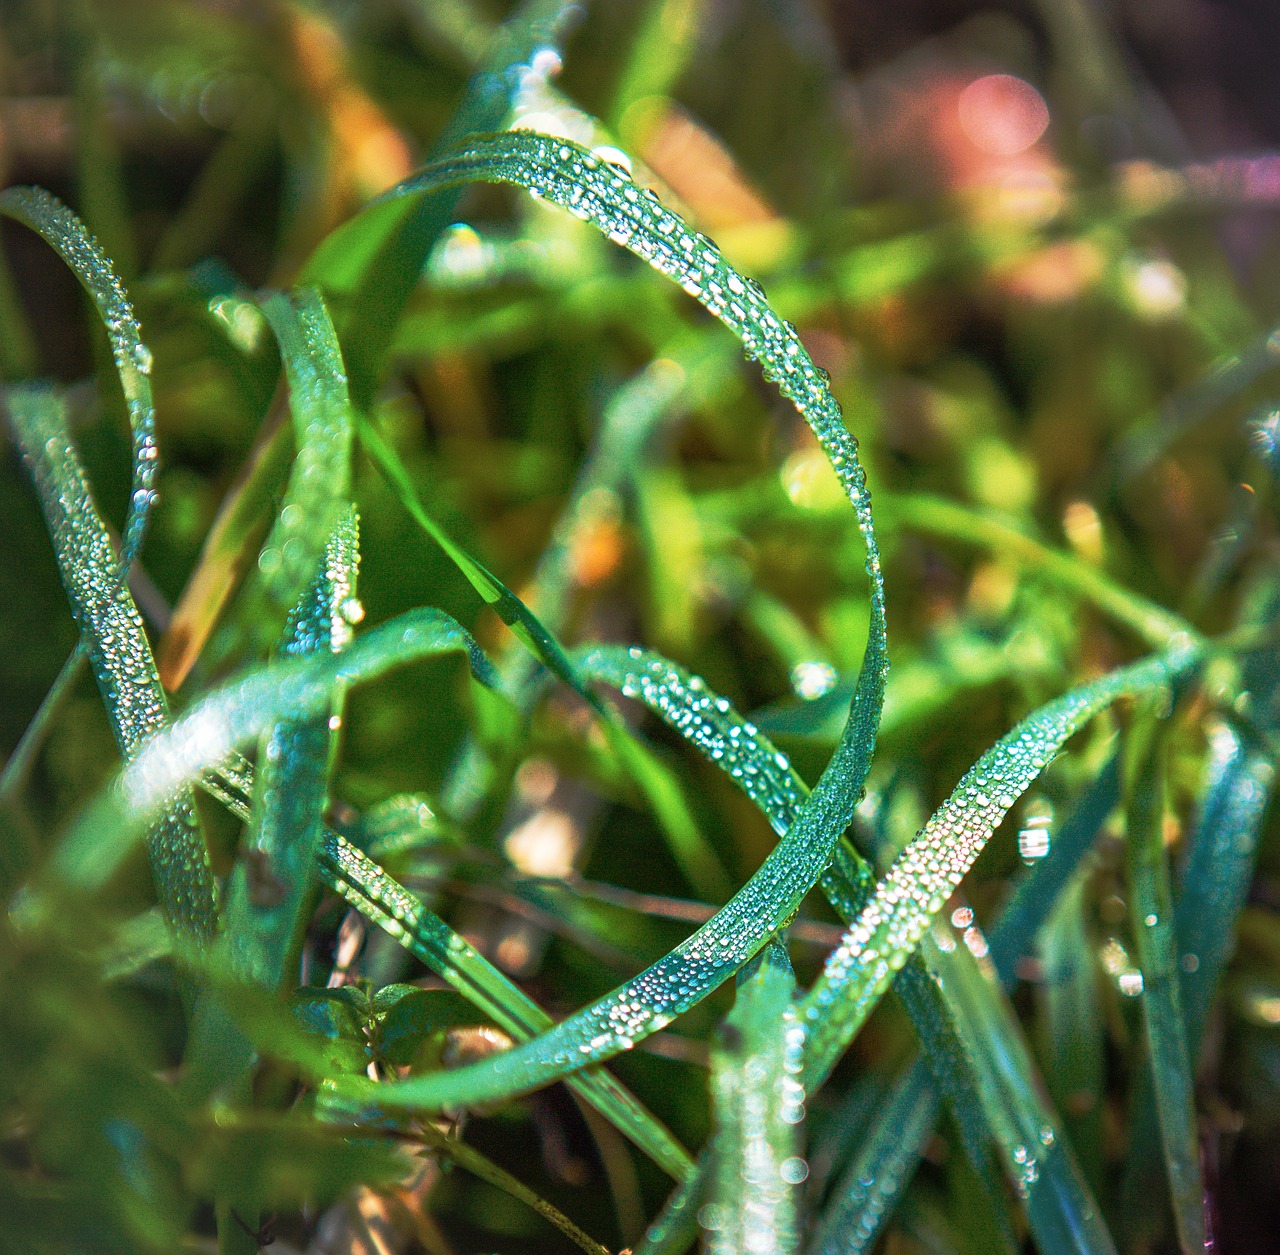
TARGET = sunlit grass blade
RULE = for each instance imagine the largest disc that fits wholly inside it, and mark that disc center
(889, 1164)
(320, 478)
(371, 269)
(951, 1020)
(564, 173)
(922, 878)
(759, 1104)
(1152, 928)
(52, 220)
(119, 654)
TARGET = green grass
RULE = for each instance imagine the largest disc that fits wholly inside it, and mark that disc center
(551, 711)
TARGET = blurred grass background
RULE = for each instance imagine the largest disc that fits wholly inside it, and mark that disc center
(1035, 247)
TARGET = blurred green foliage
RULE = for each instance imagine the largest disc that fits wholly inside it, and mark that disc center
(1049, 310)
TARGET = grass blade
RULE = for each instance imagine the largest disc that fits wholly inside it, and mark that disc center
(922, 878)
(60, 228)
(112, 632)
(275, 875)
(1152, 928)
(320, 480)
(758, 1103)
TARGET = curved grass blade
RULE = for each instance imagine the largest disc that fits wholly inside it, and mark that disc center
(1151, 923)
(758, 1103)
(117, 648)
(320, 479)
(60, 228)
(881, 1167)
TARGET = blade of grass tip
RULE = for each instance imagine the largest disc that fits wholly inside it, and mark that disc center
(320, 480)
(758, 1106)
(117, 647)
(371, 268)
(938, 517)
(566, 174)
(455, 1149)
(921, 879)
(66, 234)
(1151, 924)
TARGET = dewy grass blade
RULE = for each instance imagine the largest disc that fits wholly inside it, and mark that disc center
(675, 1227)
(758, 1103)
(320, 479)
(1151, 925)
(889, 1164)
(52, 220)
(922, 878)
(275, 875)
(388, 904)
(117, 647)
(1215, 877)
